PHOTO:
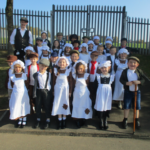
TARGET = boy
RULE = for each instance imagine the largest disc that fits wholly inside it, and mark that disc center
(41, 92)
(130, 77)
(44, 38)
(10, 60)
(85, 39)
(59, 38)
(96, 40)
(73, 37)
(33, 68)
(76, 44)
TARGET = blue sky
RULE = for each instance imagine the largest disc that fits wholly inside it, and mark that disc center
(134, 8)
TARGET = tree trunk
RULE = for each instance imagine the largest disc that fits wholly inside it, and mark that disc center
(9, 15)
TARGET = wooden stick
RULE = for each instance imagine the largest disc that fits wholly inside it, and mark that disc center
(134, 114)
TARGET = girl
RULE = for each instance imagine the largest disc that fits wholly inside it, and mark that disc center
(108, 44)
(104, 93)
(66, 51)
(28, 50)
(101, 57)
(19, 101)
(82, 104)
(62, 79)
(45, 53)
(90, 46)
(44, 37)
(84, 53)
(120, 65)
(56, 48)
(96, 40)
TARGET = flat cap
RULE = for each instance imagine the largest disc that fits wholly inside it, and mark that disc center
(74, 51)
(24, 19)
(44, 62)
(134, 58)
(54, 54)
(59, 34)
(95, 53)
(39, 39)
(11, 58)
(33, 54)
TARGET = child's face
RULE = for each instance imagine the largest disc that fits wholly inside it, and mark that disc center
(39, 43)
(100, 50)
(133, 64)
(81, 69)
(59, 37)
(94, 57)
(53, 59)
(10, 63)
(18, 68)
(56, 43)
(42, 68)
(44, 36)
(124, 43)
(108, 45)
(96, 41)
(90, 46)
(68, 49)
(112, 51)
(105, 70)
(44, 52)
(83, 49)
(85, 40)
(62, 63)
(73, 39)
(74, 57)
(76, 45)
(123, 56)
(28, 52)
(23, 24)
(33, 60)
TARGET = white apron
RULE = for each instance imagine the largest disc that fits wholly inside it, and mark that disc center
(19, 101)
(119, 90)
(104, 95)
(81, 98)
(61, 94)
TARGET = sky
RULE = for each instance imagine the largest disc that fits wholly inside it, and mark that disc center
(134, 8)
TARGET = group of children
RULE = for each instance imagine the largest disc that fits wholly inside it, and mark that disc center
(72, 79)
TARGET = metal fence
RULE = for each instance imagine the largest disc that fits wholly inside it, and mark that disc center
(38, 21)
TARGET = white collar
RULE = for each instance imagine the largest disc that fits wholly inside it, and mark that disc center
(103, 76)
(21, 29)
(41, 73)
(132, 71)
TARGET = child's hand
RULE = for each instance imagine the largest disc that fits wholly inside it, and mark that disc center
(136, 82)
(69, 94)
(87, 111)
(129, 83)
(65, 106)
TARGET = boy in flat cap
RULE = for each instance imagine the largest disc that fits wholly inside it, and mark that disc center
(60, 39)
(130, 77)
(10, 60)
(85, 39)
(45, 39)
(21, 38)
(41, 92)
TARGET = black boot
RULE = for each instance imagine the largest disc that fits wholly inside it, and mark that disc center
(84, 123)
(36, 124)
(124, 123)
(63, 124)
(101, 126)
(47, 125)
(78, 123)
(105, 121)
(16, 123)
(59, 124)
(137, 123)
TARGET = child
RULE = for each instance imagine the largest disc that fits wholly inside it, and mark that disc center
(45, 53)
(112, 58)
(108, 44)
(10, 60)
(41, 92)
(104, 93)
(73, 37)
(85, 39)
(96, 40)
(32, 69)
(44, 37)
(19, 101)
(28, 50)
(82, 105)
(90, 46)
(61, 42)
(120, 64)
(38, 47)
(123, 43)
(101, 57)
(84, 55)
(76, 44)
(109, 38)
(66, 51)
(56, 48)
(62, 91)
(129, 78)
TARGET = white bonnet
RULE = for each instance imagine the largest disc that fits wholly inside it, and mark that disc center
(122, 50)
(45, 48)
(18, 62)
(29, 48)
(44, 32)
(90, 42)
(63, 57)
(109, 37)
(81, 61)
(96, 38)
(83, 45)
(68, 45)
(106, 42)
(105, 64)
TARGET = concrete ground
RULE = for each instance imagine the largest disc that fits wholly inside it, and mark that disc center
(115, 126)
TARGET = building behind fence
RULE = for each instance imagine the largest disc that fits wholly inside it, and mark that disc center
(83, 20)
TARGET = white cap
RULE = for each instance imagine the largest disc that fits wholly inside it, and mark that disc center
(105, 64)
(29, 48)
(44, 32)
(90, 42)
(108, 42)
(109, 37)
(63, 57)
(68, 45)
(46, 48)
(122, 50)
(19, 62)
(83, 45)
(96, 38)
